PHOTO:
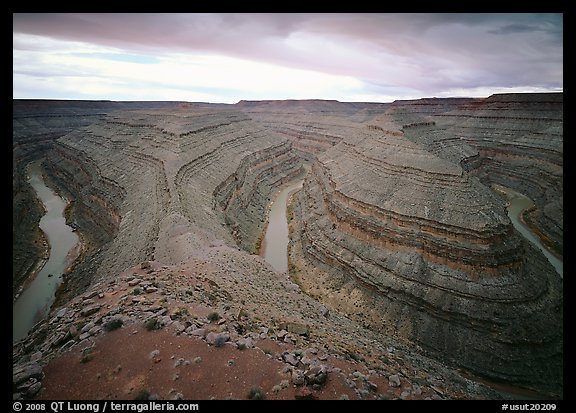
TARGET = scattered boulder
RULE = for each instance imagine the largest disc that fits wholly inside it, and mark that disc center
(316, 375)
(26, 372)
(394, 380)
(91, 309)
(298, 378)
(290, 358)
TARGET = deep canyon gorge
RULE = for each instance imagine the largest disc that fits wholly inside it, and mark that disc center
(400, 249)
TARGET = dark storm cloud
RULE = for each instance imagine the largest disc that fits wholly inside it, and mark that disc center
(425, 53)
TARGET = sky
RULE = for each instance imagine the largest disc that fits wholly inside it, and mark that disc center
(229, 57)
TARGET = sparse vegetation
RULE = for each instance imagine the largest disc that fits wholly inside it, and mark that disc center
(113, 324)
(241, 346)
(213, 316)
(256, 393)
(180, 312)
(86, 355)
(152, 324)
(136, 291)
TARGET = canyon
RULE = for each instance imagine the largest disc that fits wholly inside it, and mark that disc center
(400, 251)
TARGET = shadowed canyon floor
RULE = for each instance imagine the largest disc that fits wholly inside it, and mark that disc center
(406, 277)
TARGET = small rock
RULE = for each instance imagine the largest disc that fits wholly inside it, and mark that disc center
(134, 282)
(298, 377)
(281, 333)
(36, 356)
(62, 312)
(90, 295)
(324, 311)
(290, 358)
(151, 289)
(33, 389)
(154, 354)
(217, 339)
(90, 310)
(394, 380)
(27, 371)
(200, 332)
(178, 327)
(316, 375)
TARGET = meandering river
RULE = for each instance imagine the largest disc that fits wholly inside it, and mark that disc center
(35, 301)
(275, 244)
(517, 203)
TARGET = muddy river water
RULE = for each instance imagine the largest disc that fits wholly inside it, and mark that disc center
(517, 203)
(275, 244)
(35, 301)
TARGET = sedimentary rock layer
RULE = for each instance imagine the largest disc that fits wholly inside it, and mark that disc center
(312, 126)
(515, 140)
(157, 182)
(415, 246)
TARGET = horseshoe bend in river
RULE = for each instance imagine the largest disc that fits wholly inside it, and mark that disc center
(35, 301)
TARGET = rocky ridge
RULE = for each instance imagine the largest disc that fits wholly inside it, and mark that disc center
(210, 318)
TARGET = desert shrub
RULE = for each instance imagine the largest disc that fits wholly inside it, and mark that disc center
(86, 355)
(256, 393)
(113, 324)
(213, 316)
(241, 346)
(152, 324)
(136, 291)
(181, 312)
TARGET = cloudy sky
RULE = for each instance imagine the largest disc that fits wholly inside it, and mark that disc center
(229, 57)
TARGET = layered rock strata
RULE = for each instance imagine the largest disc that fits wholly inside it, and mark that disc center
(416, 247)
(312, 126)
(515, 140)
(150, 184)
(36, 124)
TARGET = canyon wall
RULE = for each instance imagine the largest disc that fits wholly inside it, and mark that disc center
(394, 228)
(153, 184)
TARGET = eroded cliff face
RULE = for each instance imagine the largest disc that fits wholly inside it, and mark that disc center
(393, 230)
(313, 126)
(152, 184)
(35, 127)
(515, 140)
